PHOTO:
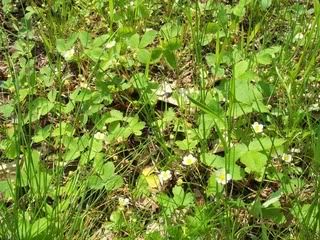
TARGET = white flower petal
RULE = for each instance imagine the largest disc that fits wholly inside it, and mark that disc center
(188, 160)
(257, 127)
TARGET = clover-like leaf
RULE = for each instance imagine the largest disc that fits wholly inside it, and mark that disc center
(255, 162)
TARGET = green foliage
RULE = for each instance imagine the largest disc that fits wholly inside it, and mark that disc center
(102, 102)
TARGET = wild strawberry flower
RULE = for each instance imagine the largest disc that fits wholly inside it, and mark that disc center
(84, 85)
(68, 55)
(99, 136)
(222, 177)
(287, 157)
(110, 44)
(165, 176)
(189, 160)
(257, 127)
(123, 202)
(295, 150)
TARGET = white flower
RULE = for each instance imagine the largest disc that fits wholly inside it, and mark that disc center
(222, 177)
(164, 89)
(99, 136)
(188, 160)
(295, 150)
(68, 55)
(257, 127)
(298, 37)
(154, 227)
(314, 107)
(123, 201)
(84, 85)
(110, 44)
(165, 176)
(287, 157)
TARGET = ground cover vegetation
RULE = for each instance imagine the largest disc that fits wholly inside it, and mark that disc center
(150, 119)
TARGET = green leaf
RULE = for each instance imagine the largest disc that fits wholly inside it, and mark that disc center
(207, 38)
(6, 109)
(255, 162)
(84, 38)
(105, 176)
(38, 227)
(181, 198)
(147, 38)
(240, 68)
(186, 144)
(170, 58)
(72, 154)
(143, 56)
(113, 183)
(95, 53)
(63, 129)
(264, 58)
(274, 198)
(134, 40)
(99, 41)
(239, 10)
(38, 107)
(172, 44)
(42, 134)
(265, 4)
(65, 45)
(265, 143)
(135, 126)
(6, 188)
(213, 160)
(274, 213)
(213, 187)
(156, 55)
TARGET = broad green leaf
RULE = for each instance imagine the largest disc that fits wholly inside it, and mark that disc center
(113, 183)
(84, 38)
(265, 143)
(107, 170)
(156, 55)
(207, 38)
(240, 68)
(6, 109)
(170, 30)
(213, 187)
(6, 188)
(264, 58)
(63, 129)
(172, 44)
(255, 162)
(134, 41)
(135, 126)
(42, 134)
(99, 41)
(274, 197)
(72, 154)
(95, 54)
(213, 160)
(11, 149)
(38, 227)
(38, 107)
(147, 38)
(181, 198)
(143, 56)
(274, 213)
(186, 144)
(65, 45)
(265, 4)
(239, 10)
(170, 58)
